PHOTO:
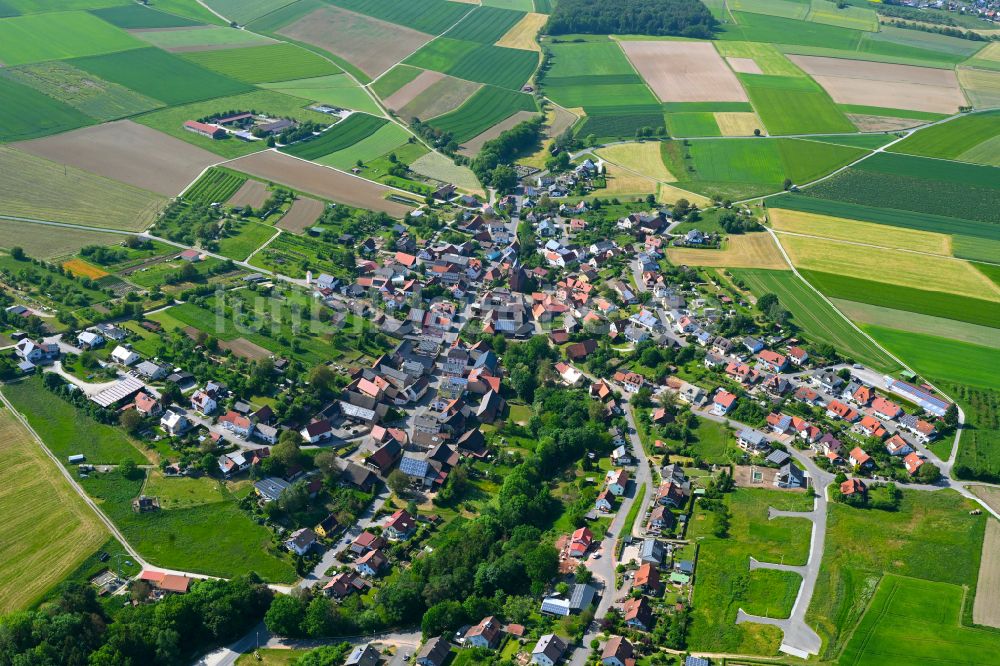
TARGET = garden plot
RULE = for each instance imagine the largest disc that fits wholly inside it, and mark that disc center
(302, 215)
(252, 193)
(411, 90)
(886, 85)
(372, 45)
(320, 181)
(684, 71)
(472, 147)
(127, 152)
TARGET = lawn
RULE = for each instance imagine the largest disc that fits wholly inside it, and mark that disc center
(183, 492)
(56, 35)
(932, 356)
(161, 75)
(215, 538)
(26, 190)
(794, 105)
(28, 114)
(712, 441)
(242, 240)
(68, 431)
(344, 134)
(335, 90)
(724, 583)
(931, 536)
(957, 138)
(917, 620)
(49, 530)
(265, 64)
(484, 109)
(817, 319)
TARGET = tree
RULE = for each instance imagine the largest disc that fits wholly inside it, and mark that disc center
(442, 617)
(504, 178)
(130, 420)
(327, 462)
(787, 184)
(285, 616)
(17, 253)
(929, 473)
(323, 379)
(951, 415)
(398, 482)
(287, 451)
(128, 469)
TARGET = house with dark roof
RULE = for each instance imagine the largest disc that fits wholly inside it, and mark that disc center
(434, 652)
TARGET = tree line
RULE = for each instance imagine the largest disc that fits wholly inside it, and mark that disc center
(684, 18)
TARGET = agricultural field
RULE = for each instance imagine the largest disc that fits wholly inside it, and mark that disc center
(344, 134)
(337, 90)
(371, 45)
(215, 185)
(766, 58)
(66, 430)
(26, 190)
(50, 530)
(413, 87)
(724, 582)
(855, 18)
(643, 158)
(321, 181)
(913, 322)
(623, 183)
(88, 94)
(161, 76)
(811, 313)
(487, 107)
(784, 8)
(252, 193)
(836, 228)
(693, 124)
(523, 35)
(383, 140)
(934, 303)
(302, 215)
(486, 25)
(738, 123)
(265, 64)
(137, 17)
(942, 358)
(970, 138)
(495, 65)
(472, 147)
(430, 16)
(244, 238)
(191, 9)
(886, 85)
(931, 537)
(902, 269)
(27, 113)
(684, 71)
(981, 86)
(395, 79)
(201, 38)
(121, 151)
(244, 11)
(47, 242)
(794, 105)
(437, 166)
(58, 35)
(756, 250)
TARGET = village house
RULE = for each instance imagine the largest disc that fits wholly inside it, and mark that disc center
(301, 541)
(752, 441)
(647, 579)
(723, 402)
(638, 614)
(371, 563)
(913, 462)
(122, 355)
(859, 459)
(400, 526)
(617, 481)
(434, 652)
(486, 634)
(548, 650)
(580, 542)
(618, 652)
(897, 446)
(853, 487)
(236, 424)
(344, 584)
(363, 655)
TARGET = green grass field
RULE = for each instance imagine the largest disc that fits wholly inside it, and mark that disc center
(864, 110)
(160, 75)
(191, 9)
(50, 530)
(430, 16)
(189, 538)
(855, 18)
(779, 30)
(336, 90)
(869, 141)
(979, 450)
(265, 64)
(957, 139)
(713, 441)
(934, 303)
(94, 97)
(770, 60)
(484, 109)
(133, 16)
(901, 320)
(911, 619)
(485, 25)
(951, 360)
(931, 537)
(486, 63)
(394, 79)
(201, 38)
(784, 8)
(384, 139)
(794, 105)
(66, 430)
(38, 37)
(28, 114)
(244, 11)
(47, 242)
(246, 237)
(817, 319)
(215, 186)
(692, 124)
(723, 581)
(344, 134)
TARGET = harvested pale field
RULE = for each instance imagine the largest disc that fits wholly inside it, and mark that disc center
(43, 241)
(437, 166)
(522, 35)
(643, 158)
(408, 92)
(302, 215)
(243, 348)
(744, 65)
(986, 609)
(906, 269)
(883, 84)
(441, 97)
(320, 181)
(836, 228)
(81, 268)
(622, 182)
(684, 71)
(738, 123)
(127, 152)
(373, 46)
(558, 121)
(989, 495)
(914, 322)
(881, 123)
(982, 86)
(471, 147)
(48, 529)
(39, 189)
(667, 193)
(251, 193)
(755, 250)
